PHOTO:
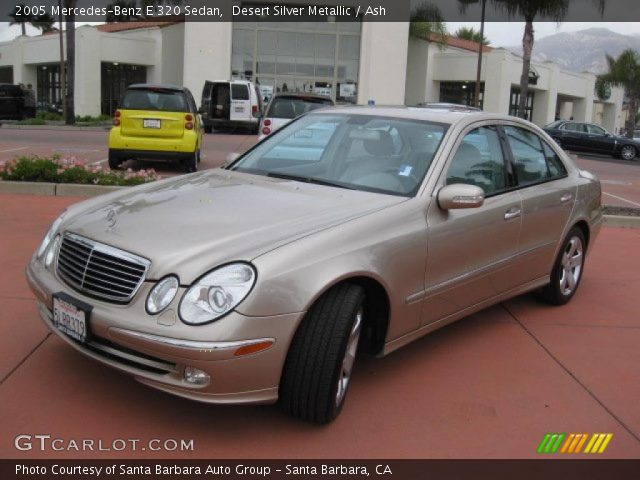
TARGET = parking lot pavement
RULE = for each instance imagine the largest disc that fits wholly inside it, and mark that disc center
(491, 385)
(620, 180)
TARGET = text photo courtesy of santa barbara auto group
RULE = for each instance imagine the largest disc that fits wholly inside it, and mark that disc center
(333, 239)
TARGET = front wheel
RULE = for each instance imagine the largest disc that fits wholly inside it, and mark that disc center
(317, 372)
(567, 270)
(628, 152)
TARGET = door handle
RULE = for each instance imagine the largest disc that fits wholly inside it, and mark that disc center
(514, 212)
(566, 197)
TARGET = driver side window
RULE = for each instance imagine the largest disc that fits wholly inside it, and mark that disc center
(479, 161)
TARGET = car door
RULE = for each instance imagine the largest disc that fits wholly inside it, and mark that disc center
(468, 248)
(574, 136)
(548, 196)
(240, 103)
(599, 140)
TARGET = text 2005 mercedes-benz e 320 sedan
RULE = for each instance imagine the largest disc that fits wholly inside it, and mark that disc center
(356, 228)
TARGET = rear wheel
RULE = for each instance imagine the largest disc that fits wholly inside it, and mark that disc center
(628, 152)
(114, 161)
(190, 164)
(567, 270)
(317, 372)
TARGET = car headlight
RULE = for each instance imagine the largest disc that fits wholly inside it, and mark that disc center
(49, 235)
(162, 294)
(217, 293)
(51, 253)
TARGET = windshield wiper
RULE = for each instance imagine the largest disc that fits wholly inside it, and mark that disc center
(317, 181)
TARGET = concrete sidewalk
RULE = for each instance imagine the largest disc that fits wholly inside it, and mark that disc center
(489, 386)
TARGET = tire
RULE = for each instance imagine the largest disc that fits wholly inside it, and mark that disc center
(114, 162)
(567, 270)
(318, 368)
(628, 152)
(190, 164)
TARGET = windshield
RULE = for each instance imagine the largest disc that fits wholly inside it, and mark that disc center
(362, 152)
(292, 107)
(161, 100)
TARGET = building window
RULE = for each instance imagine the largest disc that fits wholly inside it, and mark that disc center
(116, 77)
(48, 88)
(461, 93)
(515, 100)
(312, 57)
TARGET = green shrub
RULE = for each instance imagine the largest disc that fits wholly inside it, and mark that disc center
(90, 119)
(32, 121)
(69, 170)
(53, 116)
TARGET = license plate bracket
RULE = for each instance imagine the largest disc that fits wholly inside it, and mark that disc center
(151, 123)
(71, 316)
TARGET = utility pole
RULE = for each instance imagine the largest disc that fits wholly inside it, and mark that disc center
(63, 76)
(480, 47)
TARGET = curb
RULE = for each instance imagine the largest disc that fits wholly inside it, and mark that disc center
(56, 189)
(621, 221)
(68, 128)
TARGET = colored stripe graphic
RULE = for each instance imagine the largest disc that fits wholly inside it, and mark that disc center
(573, 443)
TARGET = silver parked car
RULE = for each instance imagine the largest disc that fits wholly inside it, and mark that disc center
(351, 229)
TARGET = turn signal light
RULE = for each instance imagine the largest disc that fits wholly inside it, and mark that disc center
(116, 122)
(253, 348)
(188, 126)
(117, 114)
(188, 118)
(266, 130)
(266, 122)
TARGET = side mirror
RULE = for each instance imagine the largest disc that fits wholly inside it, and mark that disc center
(459, 195)
(232, 157)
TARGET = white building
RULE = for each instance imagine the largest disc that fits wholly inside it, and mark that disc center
(353, 62)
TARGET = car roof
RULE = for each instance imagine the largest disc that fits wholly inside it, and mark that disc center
(446, 115)
(159, 86)
(303, 96)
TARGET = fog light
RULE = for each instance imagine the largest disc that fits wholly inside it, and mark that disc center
(196, 377)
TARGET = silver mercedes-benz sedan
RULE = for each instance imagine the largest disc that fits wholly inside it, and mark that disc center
(355, 229)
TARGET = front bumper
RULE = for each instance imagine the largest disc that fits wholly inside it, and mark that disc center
(157, 349)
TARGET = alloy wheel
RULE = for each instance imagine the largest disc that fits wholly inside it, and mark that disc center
(572, 260)
(628, 152)
(349, 357)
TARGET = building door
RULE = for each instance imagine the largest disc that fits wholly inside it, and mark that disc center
(115, 78)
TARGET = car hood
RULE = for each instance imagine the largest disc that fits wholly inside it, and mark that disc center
(192, 223)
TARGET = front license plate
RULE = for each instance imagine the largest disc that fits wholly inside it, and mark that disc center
(70, 319)
(151, 123)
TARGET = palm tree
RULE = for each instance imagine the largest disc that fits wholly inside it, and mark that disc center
(624, 71)
(464, 4)
(22, 19)
(471, 34)
(44, 23)
(529, 10)
(426, 22)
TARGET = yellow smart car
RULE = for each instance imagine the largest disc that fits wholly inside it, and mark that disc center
(156, 122)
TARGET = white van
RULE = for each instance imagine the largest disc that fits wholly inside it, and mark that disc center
(235, 103)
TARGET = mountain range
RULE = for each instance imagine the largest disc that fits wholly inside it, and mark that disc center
(582, 51)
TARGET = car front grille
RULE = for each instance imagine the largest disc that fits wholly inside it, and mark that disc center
(98, 270)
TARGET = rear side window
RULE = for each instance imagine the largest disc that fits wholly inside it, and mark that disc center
(556, 167)
(292, 107)
(239, 92)
(575, 127)
(529, 158)
(160, 100)
(479, 161)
